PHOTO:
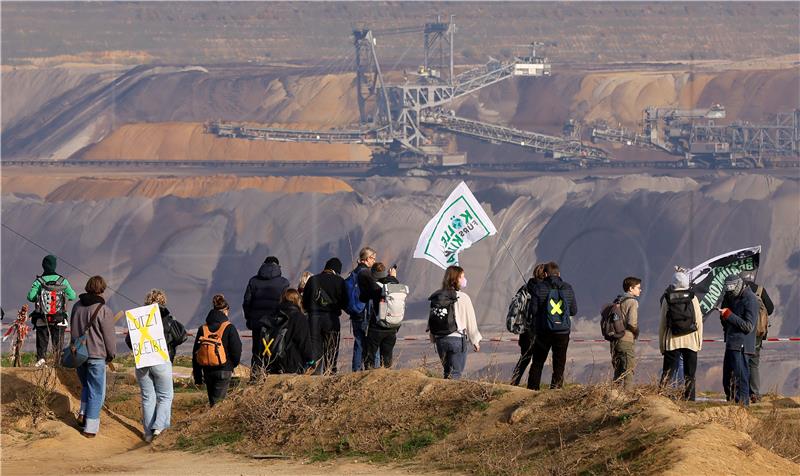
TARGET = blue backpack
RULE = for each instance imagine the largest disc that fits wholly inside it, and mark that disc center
(355, 308)
(557, 312)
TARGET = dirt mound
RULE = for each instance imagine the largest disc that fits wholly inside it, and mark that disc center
(494, 429)
(187, 141)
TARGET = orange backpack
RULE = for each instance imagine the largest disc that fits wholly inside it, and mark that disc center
(211, 352)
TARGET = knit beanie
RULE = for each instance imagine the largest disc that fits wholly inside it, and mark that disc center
(680, 280)
(334, 264)
(49, 265)
(380, 274)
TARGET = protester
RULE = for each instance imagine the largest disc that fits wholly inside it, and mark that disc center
(324, 299)
(766, 308)
(356, 308)
(738, 315)
(526, 337)
(298, 351)
(217, 350)
(92, 318)
(261, 299)
(301, 285)
(552, 304)
(623, 355)
(155, 382)
(50, 292)
(381, 337)
(680, 333)
(452, 322)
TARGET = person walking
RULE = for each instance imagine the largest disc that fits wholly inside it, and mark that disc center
(381, 337)
(155, 382)
(261, 299)
(766, 308)
(738, 315)
(92, 318)
(217, 351)
(50, 292)
(623, 352)
(552, 305)
(526, 337)
(680, 334)
(298, 352)
(323, 299)
(452, 323)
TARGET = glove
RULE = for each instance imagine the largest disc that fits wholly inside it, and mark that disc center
(724, 312)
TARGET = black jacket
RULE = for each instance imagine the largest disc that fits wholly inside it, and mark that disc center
(298, 351)
(263, 294)
(764, 297)
(173, 341)
(230, 341)
(371, 294)
(331, 286)
(539, 292)
(740, 326)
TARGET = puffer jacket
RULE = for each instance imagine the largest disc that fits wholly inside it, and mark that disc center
(263, 294)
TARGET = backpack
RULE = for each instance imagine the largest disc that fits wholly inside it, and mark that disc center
(763, 316)
(557, 318)
(52, 299)
(211, 352)
(273, 341)
(355, 308)
(176, 333)
(517, 317)
(392, 306)
(612, 321)
(321, 298)
(680, 312)
(442, 316)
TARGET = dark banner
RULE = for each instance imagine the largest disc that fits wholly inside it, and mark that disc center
(708, 279)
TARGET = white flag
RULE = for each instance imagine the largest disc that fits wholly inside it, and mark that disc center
(459, 223)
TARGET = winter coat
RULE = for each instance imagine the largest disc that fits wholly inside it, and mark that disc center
(100, 339)
(230, 342)
(173, 341)
(539, 292)
(36, 318)
(263, 294)
(298, 350)
(332, 285)
(740, 326)
(692, 341)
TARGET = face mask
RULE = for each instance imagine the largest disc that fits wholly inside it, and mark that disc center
(462, 283)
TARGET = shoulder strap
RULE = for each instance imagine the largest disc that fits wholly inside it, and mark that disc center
(93, 319)
(60, 280)
(759, 291)
(222, 328)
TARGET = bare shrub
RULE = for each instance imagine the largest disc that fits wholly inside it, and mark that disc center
(36, 404)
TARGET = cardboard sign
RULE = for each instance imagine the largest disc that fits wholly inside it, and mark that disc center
(147, 336)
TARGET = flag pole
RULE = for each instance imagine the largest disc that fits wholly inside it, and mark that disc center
(499, 235)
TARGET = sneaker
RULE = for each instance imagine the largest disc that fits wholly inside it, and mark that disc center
(40, 363)
(88, 435)
(157, 432)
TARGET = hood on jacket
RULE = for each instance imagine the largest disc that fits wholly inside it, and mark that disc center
(215, 318)
(88, 299)
(49, 265)
(269, 271)
(554, 280)
(532, 282)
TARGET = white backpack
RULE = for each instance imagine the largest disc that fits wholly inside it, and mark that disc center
(392, 307)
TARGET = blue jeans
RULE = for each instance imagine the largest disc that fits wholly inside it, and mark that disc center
(92, 375)
(736, 376)
(155, 384)
(359, 327)
(452, 352)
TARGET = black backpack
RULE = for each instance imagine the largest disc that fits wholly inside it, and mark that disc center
(680, 312)
(176, 332)
(442, 316)
(273, 342)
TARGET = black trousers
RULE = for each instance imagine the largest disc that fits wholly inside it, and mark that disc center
(542, 344)
(383, 340)
(670, 369)
(526, 352)
(325, 332)
(45, 335)
(217, 383)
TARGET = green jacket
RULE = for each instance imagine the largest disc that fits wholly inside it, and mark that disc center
(69, 293)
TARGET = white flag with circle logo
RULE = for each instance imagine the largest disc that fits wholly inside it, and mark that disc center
(459, 223)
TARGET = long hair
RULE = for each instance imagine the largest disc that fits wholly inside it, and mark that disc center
(293, 296)
(451, 277)
(538, 272)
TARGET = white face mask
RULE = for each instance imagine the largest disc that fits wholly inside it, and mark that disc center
(462, 283)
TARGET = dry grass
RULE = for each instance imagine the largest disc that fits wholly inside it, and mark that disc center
(778, 433)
